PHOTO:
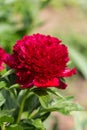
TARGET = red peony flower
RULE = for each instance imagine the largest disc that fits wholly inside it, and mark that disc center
(2, 58)
(40, 61)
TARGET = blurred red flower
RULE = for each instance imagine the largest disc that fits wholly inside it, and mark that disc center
(41, 61)
(2, 58)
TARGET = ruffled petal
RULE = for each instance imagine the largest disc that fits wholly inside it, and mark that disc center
(25, 79)
(68, 72)
(51, 83)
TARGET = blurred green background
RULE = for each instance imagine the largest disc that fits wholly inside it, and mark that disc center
(65, 19)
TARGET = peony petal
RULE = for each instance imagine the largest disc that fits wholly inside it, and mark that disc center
(68, 72)
(51, 83)
(27, 85)
(62, 85)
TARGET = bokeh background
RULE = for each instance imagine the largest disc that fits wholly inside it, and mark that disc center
(65, 19)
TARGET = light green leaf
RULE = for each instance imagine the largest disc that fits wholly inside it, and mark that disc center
(14, 127)
(9, 1)
(64, 106)
(38, 124)
(2, 100)
(5, 116)
(2, 84)
(7, 73)
(59, 103)
(4, 27)
(55, 92)
(13, 86)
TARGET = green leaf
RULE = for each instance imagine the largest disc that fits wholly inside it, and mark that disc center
(13, 86)
(38, 124)
(55, 92)
(14, 127)
(59, 103)
(2, 99)
(64, 106)
(42, 115)
(6, 118)
(2, 84)
(7, 73)
(31, 104)
(6, 112)
(11, 100)
(43, 96)
(30, 124)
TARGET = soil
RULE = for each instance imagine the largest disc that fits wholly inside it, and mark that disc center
(62, 20)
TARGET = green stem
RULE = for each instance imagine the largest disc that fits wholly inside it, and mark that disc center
(22, 106)
(3, 127)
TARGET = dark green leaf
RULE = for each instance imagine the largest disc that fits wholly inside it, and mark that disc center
(42, 115)
(11, 100)
(31, 104)
(30, 124)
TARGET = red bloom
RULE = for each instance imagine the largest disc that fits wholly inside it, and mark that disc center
(41, 61)
(2, 58)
